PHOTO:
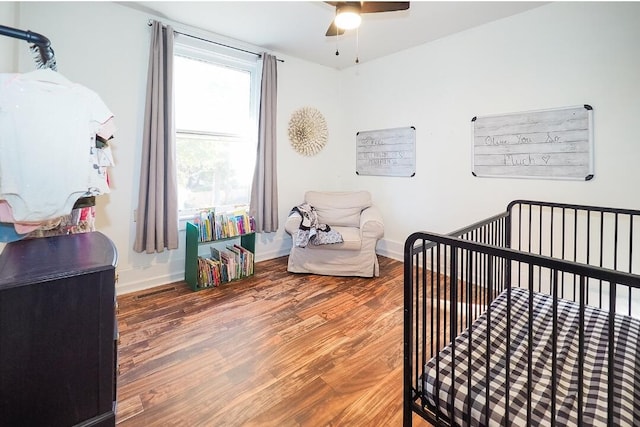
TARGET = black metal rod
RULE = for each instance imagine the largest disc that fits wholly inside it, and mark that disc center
(469, 346)
(540, 238)
(453, 282)
(487, 394)
(43, 44)
(416, 315)
(581, 353)
(601, 255)
(572, 206)
(588, 252)
(575, 250)
(554, 348)
(438, 329)
(632, 217)
(615, 242)
(507, 383)
(217, 43)
(432, 282)
(611, 354)
(530, 347)
(26, 35)
(423, 282)
(407, 413)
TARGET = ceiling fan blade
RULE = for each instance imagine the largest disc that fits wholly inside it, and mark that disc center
(333, 30)
(383, 6)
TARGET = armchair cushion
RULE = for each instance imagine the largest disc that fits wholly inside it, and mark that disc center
(341, 208)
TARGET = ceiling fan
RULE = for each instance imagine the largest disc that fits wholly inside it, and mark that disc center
(348, 13)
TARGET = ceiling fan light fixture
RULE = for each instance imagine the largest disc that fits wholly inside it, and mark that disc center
(348, 17)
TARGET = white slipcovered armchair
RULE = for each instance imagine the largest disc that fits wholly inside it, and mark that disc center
(353, 215)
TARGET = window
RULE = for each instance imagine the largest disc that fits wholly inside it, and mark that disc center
(216, 104)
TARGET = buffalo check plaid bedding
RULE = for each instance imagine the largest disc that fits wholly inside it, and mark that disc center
(626, 373)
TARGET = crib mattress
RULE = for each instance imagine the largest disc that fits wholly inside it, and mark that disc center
(627, 367)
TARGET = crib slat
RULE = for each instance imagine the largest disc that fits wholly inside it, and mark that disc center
(554, 348)
(610, 379)
(508, 360)
(469, 349)
(453, 283)
(588, 247)
(575, 249)
(488, 353)
(432, 304)
(530, 346)
(615, 243)
(438, 329)
(581, 353)
(601, 256)
(631, 217)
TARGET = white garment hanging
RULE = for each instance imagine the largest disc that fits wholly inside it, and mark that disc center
(47, 126)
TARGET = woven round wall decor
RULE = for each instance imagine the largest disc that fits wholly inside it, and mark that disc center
(307, 131)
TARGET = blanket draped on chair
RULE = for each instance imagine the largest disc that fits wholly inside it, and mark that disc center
(311, 231)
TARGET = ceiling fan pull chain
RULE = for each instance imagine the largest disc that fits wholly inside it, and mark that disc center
(357, 45)
(337, 33)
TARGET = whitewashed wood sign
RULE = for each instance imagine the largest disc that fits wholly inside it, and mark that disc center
(387, 152)
(555, 144)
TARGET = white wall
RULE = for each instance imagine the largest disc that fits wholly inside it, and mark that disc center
(557, 55)
(8, 45)
(104, 46)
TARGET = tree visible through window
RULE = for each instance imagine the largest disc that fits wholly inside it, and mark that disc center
(216, 137)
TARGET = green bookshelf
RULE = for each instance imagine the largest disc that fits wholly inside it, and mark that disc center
(247, 241)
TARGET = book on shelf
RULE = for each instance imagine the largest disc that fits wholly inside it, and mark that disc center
(234, 262)
(230, 261)
(215, 226)
(245, 260)
(208, 272)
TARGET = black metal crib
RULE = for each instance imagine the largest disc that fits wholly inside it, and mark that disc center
(530, 317)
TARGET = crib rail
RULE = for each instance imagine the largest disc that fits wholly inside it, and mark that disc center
(426, 267)
(598, 236)
(569, 252)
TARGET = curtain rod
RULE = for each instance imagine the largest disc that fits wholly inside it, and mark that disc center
(217, 43)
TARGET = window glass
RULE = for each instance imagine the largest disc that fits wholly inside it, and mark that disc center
(216, 137)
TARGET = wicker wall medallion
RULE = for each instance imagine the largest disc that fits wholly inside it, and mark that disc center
(307, 131)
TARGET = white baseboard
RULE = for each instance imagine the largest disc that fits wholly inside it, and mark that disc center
(134, 280)
(390, 249)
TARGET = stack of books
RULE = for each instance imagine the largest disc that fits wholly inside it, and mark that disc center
(208, 273)
(231, 263)
(212, 226)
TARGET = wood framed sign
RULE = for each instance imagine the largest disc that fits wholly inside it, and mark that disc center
(544, 144)
(388, 152)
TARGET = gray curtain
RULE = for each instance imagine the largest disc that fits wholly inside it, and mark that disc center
(157, 218)
(264, 190)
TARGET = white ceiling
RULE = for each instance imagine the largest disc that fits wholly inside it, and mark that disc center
(297, 28)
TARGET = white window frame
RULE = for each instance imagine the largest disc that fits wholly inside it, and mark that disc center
(222, 55)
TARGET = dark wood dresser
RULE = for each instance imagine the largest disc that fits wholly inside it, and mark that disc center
(58, 331)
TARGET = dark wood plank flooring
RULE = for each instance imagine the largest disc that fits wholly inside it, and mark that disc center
(276, 349)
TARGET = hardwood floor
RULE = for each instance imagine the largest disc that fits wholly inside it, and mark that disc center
(276, 349)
